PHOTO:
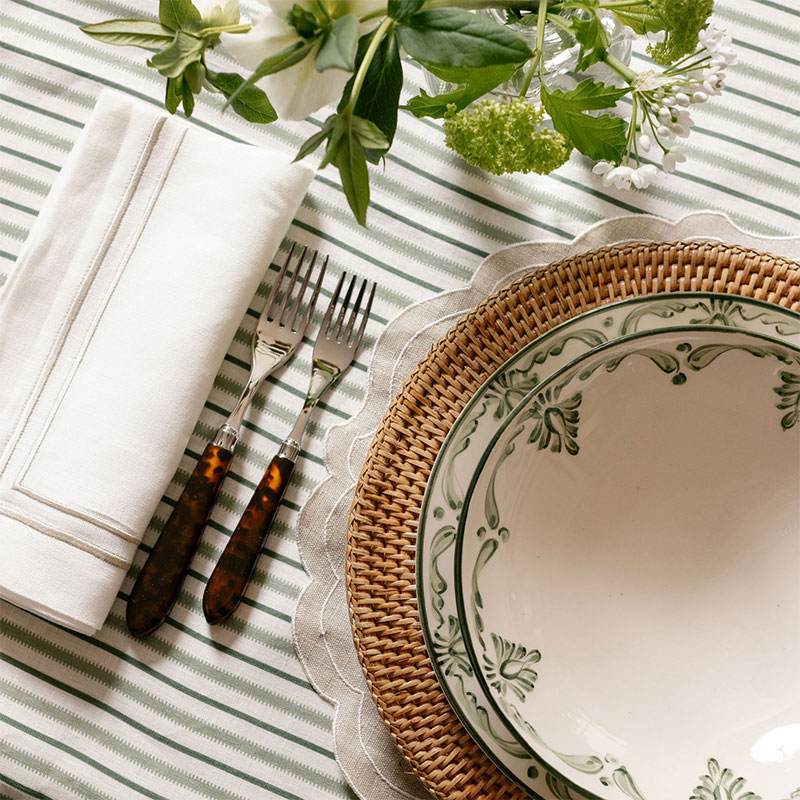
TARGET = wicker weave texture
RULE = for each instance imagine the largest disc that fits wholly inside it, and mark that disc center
(380, 567)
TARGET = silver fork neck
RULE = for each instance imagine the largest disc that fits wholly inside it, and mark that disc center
(266, 358)
(323, 376)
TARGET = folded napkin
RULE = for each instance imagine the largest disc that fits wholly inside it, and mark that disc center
(121, 308)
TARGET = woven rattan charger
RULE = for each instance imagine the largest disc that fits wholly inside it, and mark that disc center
(380, 567)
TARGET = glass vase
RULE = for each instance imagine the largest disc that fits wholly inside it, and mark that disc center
(560, 58)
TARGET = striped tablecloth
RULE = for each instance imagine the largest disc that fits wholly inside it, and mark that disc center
(193, 712)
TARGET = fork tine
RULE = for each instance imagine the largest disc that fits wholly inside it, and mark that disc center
(315, 294)
(323, 328)
(340, 318)
(288, 293)
(273, 292)
(363, 325)
(302, 291)
(356, 305)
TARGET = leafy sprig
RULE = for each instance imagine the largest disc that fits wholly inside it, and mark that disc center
(473, 54)
(180, 38)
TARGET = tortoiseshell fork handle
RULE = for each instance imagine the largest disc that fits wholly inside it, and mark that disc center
(230, 577)
(159, 582)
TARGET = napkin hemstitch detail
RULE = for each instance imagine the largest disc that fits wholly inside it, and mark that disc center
(79, 296)
(64, 538)
(87, 514)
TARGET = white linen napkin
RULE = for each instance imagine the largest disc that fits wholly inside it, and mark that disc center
(123, 303)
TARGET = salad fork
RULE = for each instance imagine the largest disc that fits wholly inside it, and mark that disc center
(334, 351)
(279, 330)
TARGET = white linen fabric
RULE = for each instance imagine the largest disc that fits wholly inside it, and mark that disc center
(323, 637)
(122, 306)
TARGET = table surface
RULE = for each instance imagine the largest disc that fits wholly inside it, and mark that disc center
(195, 712)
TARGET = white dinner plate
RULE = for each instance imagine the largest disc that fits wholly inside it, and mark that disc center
(627, 565)
(456, 462)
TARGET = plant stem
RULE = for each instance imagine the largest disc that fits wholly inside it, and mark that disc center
(621, 3)
(385, 26)
(243, 28)
(538, 59)
(619, 67)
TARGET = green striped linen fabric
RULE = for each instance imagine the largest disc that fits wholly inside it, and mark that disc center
(194, 712)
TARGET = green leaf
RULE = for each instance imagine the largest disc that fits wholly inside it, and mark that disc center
(286, 58)
(188, 99)
(251, 102)
(314, 141)
(368, 134)
(352, 163)
(174, 94)
(184, 50)
(639, 18)
(454, 37)
(180, 15)
(380, 92)
(481, 82)
(132, 32)
(591, 36)
(338, 129)
(339, 44)
(403, 9)
(194, 75)
(599, 137)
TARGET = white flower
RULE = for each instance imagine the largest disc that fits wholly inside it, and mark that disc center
(672, 157)
(299, 90)
(623, 177)
(718, 44)
(217, 13)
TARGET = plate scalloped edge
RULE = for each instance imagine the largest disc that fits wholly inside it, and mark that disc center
(323, 639)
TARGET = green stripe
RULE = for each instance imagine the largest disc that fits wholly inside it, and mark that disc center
(753, 24)
(30, 106)
(29, 132)
(31, 159)
(49, 771)
(8, 781)
(50, 12)
(278, 673)
(778, 7)
(24, 182)
(18, 206)
(237, 742)
(109, 678)
(180, 687)
(13, 231)
(77, 754)
(9, 256)
(795, 112)
(45, 86)
(764, 51)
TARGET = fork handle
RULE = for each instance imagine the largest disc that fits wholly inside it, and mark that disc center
(232, 573)
(159, 582)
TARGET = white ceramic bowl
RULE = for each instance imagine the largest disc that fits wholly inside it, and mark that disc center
(627, 566)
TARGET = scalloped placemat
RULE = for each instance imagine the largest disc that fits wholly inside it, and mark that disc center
(381, 546)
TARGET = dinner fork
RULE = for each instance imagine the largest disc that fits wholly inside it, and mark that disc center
(279, 330)
(334, 351)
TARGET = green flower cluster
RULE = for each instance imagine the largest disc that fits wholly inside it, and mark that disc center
(499, 136)
(682, 20)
